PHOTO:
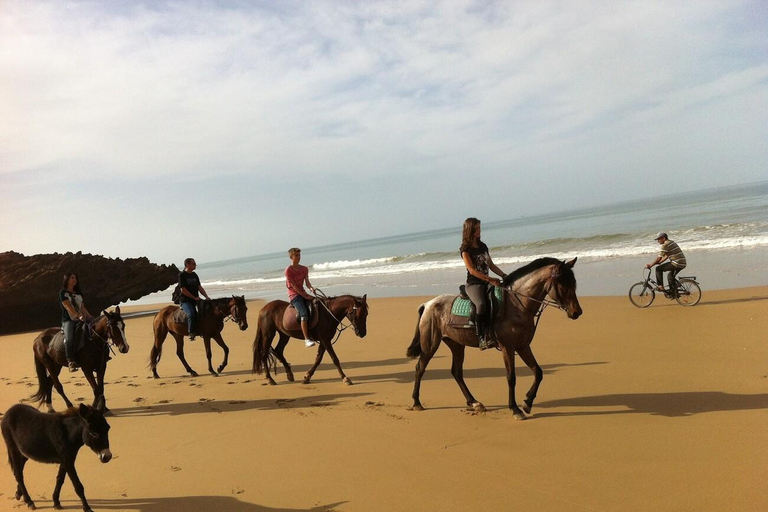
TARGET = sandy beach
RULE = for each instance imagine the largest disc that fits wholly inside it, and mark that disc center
(661, 409)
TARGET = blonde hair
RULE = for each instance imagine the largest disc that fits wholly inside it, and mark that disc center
(293, 250)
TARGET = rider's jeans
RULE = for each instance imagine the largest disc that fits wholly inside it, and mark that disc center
(69, 338)
(667, 267)
(189, 309)
(300, 303)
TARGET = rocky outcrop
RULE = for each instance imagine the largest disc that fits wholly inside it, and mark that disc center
(29, 285)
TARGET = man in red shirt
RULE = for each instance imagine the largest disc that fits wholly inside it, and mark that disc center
(295, 277)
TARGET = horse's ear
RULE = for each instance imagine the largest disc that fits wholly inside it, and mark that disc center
(105, 313)
(100, 404)
(571, 263)
(364, 297)
(83, 411)
(117, 310)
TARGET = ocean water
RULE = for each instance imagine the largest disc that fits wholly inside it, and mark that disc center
(723, 232)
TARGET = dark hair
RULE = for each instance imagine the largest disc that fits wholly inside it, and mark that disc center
(468, 235)
(65, 284)
(188, 261)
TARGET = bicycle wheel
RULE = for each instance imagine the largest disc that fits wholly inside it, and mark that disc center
(641, 295)
(688, 292)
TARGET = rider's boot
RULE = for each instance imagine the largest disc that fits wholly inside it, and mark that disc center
(68, 352)
(484, 333)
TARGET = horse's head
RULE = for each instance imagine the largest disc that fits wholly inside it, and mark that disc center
(116, 330)
(238, 311)
(357, 313)
(562, 288)
(96, 429)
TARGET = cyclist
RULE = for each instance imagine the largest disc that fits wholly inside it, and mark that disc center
(672, 252)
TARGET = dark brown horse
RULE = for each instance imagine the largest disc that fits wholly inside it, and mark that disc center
(54, 439)
(209, 325)
(106, 331)
(331, 311)
(528, 290)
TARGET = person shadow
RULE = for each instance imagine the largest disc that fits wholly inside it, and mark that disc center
(196, 504)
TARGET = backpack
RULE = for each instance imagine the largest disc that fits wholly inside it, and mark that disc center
(176, 295)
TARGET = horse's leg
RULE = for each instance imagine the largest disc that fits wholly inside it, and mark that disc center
(54, 372)
(526, 355)
(18, 460)
(318, 360)
(208, 354)
(79, 489)
(220, 341)
(335, 359)
(57, 490)
(432, 343)
(509, 364)
(180, 353)
(280, 354)
(457, 370)
(94, 384)
(161, 331)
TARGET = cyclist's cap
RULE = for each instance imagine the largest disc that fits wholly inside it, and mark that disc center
(660, 234)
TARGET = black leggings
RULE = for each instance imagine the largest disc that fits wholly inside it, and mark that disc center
(667, 267)
(478, 294)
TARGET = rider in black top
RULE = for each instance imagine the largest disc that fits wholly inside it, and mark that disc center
(190, 287)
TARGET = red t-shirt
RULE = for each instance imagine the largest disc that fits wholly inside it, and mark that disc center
(298, 276)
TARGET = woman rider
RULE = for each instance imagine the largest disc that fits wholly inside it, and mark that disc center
(477, 260)
(72, 311)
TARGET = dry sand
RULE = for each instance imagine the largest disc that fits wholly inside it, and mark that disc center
(640, 410)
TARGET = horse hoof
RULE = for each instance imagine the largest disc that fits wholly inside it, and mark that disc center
(526, 408)
(418, 407)
(155, 375)
(478, 407)
(307, 378)
(220, 368)
(290, 377)
(346, 381)
(193, 373)
(271, 382)
(214, 373)
(518, 416)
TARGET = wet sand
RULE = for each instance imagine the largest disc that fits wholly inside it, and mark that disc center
(661, 409)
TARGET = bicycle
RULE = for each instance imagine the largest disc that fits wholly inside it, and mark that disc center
(687, 293)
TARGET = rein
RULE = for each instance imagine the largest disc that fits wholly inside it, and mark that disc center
(542, 303)
(108, 342)
(340, 327)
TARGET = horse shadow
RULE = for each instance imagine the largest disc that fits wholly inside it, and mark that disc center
(671, 405)
(199, 504)
(348, 365)
(205, 406)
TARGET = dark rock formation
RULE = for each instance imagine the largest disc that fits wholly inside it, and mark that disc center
(29, 285)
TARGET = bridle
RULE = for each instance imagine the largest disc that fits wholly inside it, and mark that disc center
(350, 315)
(109, 342)
(543, 303)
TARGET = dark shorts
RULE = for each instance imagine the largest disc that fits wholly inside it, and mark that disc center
(300, 303)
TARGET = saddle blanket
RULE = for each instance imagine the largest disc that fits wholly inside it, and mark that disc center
(57, 342)
(463, 311)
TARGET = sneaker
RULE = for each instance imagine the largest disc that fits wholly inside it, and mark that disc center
(72, 366)
(309, 343)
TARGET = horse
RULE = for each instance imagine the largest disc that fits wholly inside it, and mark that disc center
(54, 439)
(330, 313)
(210, 323)
(106, 331)
(527, 291)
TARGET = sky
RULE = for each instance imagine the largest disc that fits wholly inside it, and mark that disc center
(221, 130)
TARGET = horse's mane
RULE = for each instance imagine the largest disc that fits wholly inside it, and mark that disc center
(354, 297)
(527, 269)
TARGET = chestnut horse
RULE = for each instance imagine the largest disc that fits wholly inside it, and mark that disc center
(331, 312)
(209, 325)
(528, 290)
(106, 331)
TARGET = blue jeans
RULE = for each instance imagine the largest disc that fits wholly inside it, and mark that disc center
(191, 311)
(300, 303)
(69, 338)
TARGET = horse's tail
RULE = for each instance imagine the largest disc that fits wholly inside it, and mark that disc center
(258, 349)
(42, 382)
(415, 349)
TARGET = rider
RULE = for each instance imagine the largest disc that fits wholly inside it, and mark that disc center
(477, 260)
(295, 277)
(671, 251)
(190, 285)
(73, 311)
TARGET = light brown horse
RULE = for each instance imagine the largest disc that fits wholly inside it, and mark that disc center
(107, 330)
(528, 290)
(209, 325)
(331, 313)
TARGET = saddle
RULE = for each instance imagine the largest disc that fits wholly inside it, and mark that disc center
(463, 310)
(291, 320)
(180, 316)
(57, 342)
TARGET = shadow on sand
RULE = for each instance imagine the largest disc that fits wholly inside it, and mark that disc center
(190, 504)
(672, 405)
